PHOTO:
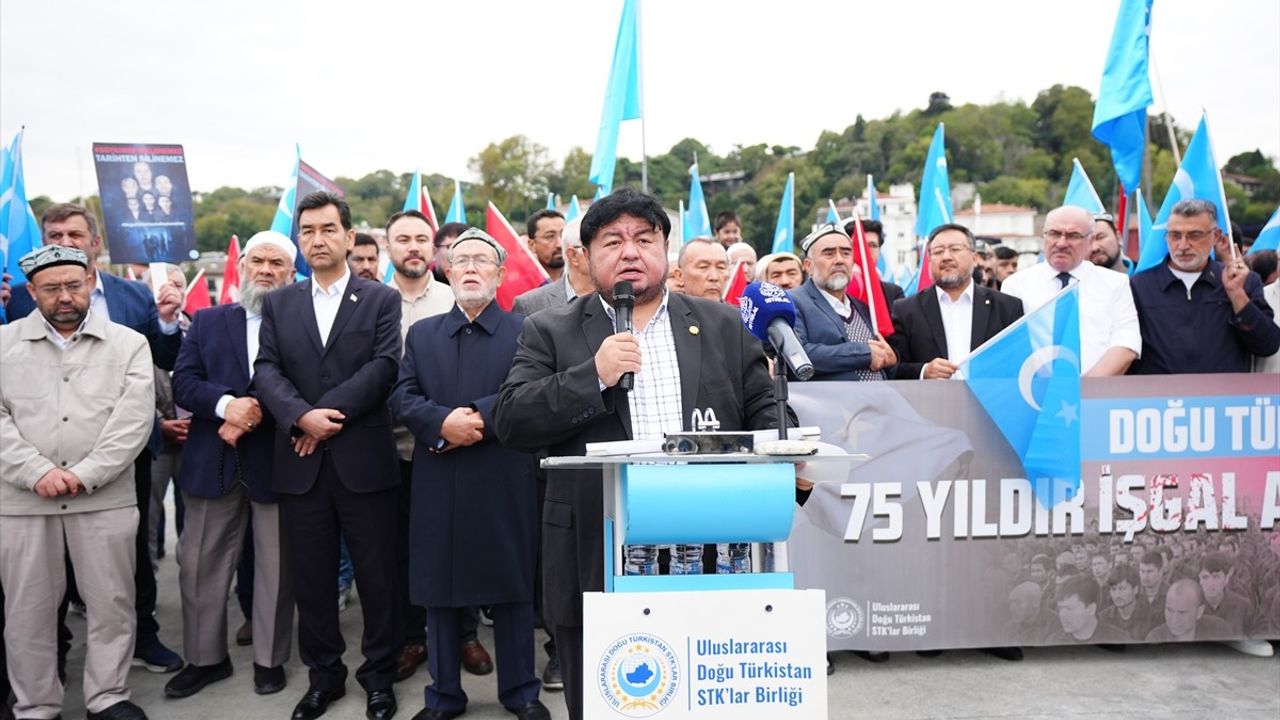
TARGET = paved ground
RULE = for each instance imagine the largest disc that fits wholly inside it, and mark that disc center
(1197, 680)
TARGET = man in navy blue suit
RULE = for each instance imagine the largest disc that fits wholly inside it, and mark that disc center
(226, 477)
(467, 486)
(130, 304)
(834, 328)
(328, 354)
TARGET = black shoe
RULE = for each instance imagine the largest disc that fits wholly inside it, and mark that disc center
(532, 710)
(1012, 654)
(551, 677)
(381, 705)
(928, 653)
(316, 702)
(194, 678)
(123, 710)
(872, 657)
(268, 680)
(434, 714)
(831, 669)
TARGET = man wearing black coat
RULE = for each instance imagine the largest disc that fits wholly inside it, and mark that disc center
(936, 328)
(328, 356)
(473, 530)
(688, 355)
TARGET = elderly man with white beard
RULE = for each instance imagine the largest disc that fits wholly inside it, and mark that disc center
(225, 480)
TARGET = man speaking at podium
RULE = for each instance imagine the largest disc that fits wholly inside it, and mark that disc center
(565, 389)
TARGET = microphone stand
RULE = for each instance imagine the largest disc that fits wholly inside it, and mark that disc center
(780, 393)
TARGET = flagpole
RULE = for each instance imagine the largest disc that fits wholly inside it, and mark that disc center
(1164, 112)
(644, 153)
(866, 271)
(1222, 190)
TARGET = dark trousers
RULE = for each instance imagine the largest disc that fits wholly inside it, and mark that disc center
(513, 641)
(550, 645)
(144, 575)
(415, 617)
(569, 650)
(312, 523)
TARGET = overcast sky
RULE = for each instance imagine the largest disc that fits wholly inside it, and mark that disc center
(368, 85)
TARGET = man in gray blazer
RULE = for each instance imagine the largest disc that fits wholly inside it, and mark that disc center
(575, 281)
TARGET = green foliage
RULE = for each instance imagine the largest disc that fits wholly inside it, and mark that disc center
(1015, 152)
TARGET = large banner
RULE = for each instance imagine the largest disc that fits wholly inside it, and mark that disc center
(938, 541)
(146, 202)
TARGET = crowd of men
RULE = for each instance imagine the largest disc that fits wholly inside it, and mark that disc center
(395, 427)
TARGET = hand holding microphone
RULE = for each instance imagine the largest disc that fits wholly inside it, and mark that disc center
(618, 359)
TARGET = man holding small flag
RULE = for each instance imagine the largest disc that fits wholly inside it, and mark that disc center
(1110, 339)
(1200, 315)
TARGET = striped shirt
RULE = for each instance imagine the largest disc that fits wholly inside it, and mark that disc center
(655, 399)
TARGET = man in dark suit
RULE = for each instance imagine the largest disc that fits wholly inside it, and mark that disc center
(226, 479)
(688, 355)
(834, 328)
(467, 486)
(156, 317)
(328, 356)
(935, 329)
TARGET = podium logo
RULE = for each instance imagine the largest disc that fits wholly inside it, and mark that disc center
(844, 618)
(638, 675)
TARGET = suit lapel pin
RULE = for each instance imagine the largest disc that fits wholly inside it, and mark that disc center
(987, 301)
(353, 297)
(693, 329)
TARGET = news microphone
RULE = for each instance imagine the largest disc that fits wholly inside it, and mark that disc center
(624, 301)
(768, 313)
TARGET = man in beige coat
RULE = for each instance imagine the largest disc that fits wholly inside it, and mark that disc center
(76, 403)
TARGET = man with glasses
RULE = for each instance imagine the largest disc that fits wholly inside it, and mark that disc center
(1105, 250)
(575, 281)
(1110, 339)
(835, 328)
(475, 516)
(934, 330)
(77, 400)
(409, 248)
(225, 479)
(1200, 315)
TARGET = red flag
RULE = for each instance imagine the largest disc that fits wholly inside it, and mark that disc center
(197, 295)
(926, 275)
(426, 207)
(231, 274)
(524, 272)
(129, 274)
(870, 291)
(737, 283)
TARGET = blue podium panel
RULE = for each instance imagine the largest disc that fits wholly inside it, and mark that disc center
(699, 583)
(707, 503)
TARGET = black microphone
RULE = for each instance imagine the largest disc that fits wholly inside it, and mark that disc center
(624, 301)
(768, 313)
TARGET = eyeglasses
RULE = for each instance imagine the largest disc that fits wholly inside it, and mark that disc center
(949, 250)
(1193, 236)
(71, 287)
(479, 261)
(1056, 235)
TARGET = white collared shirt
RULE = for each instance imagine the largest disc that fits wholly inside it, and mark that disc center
(252, 325)
(841, 305)
(64, 342)
(957, 322)
(327, 301)
(1108, 317)
(655, 399)
(98, 304)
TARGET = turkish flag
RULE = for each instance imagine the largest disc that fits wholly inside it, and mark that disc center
(197, 295)
(737, 283)
(869, 291)
(524, 272)
(231, 274)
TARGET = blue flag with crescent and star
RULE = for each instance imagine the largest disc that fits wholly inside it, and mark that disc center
(1028, 380)
(1197, 177)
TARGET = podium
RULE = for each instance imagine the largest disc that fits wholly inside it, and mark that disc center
(743, 645)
